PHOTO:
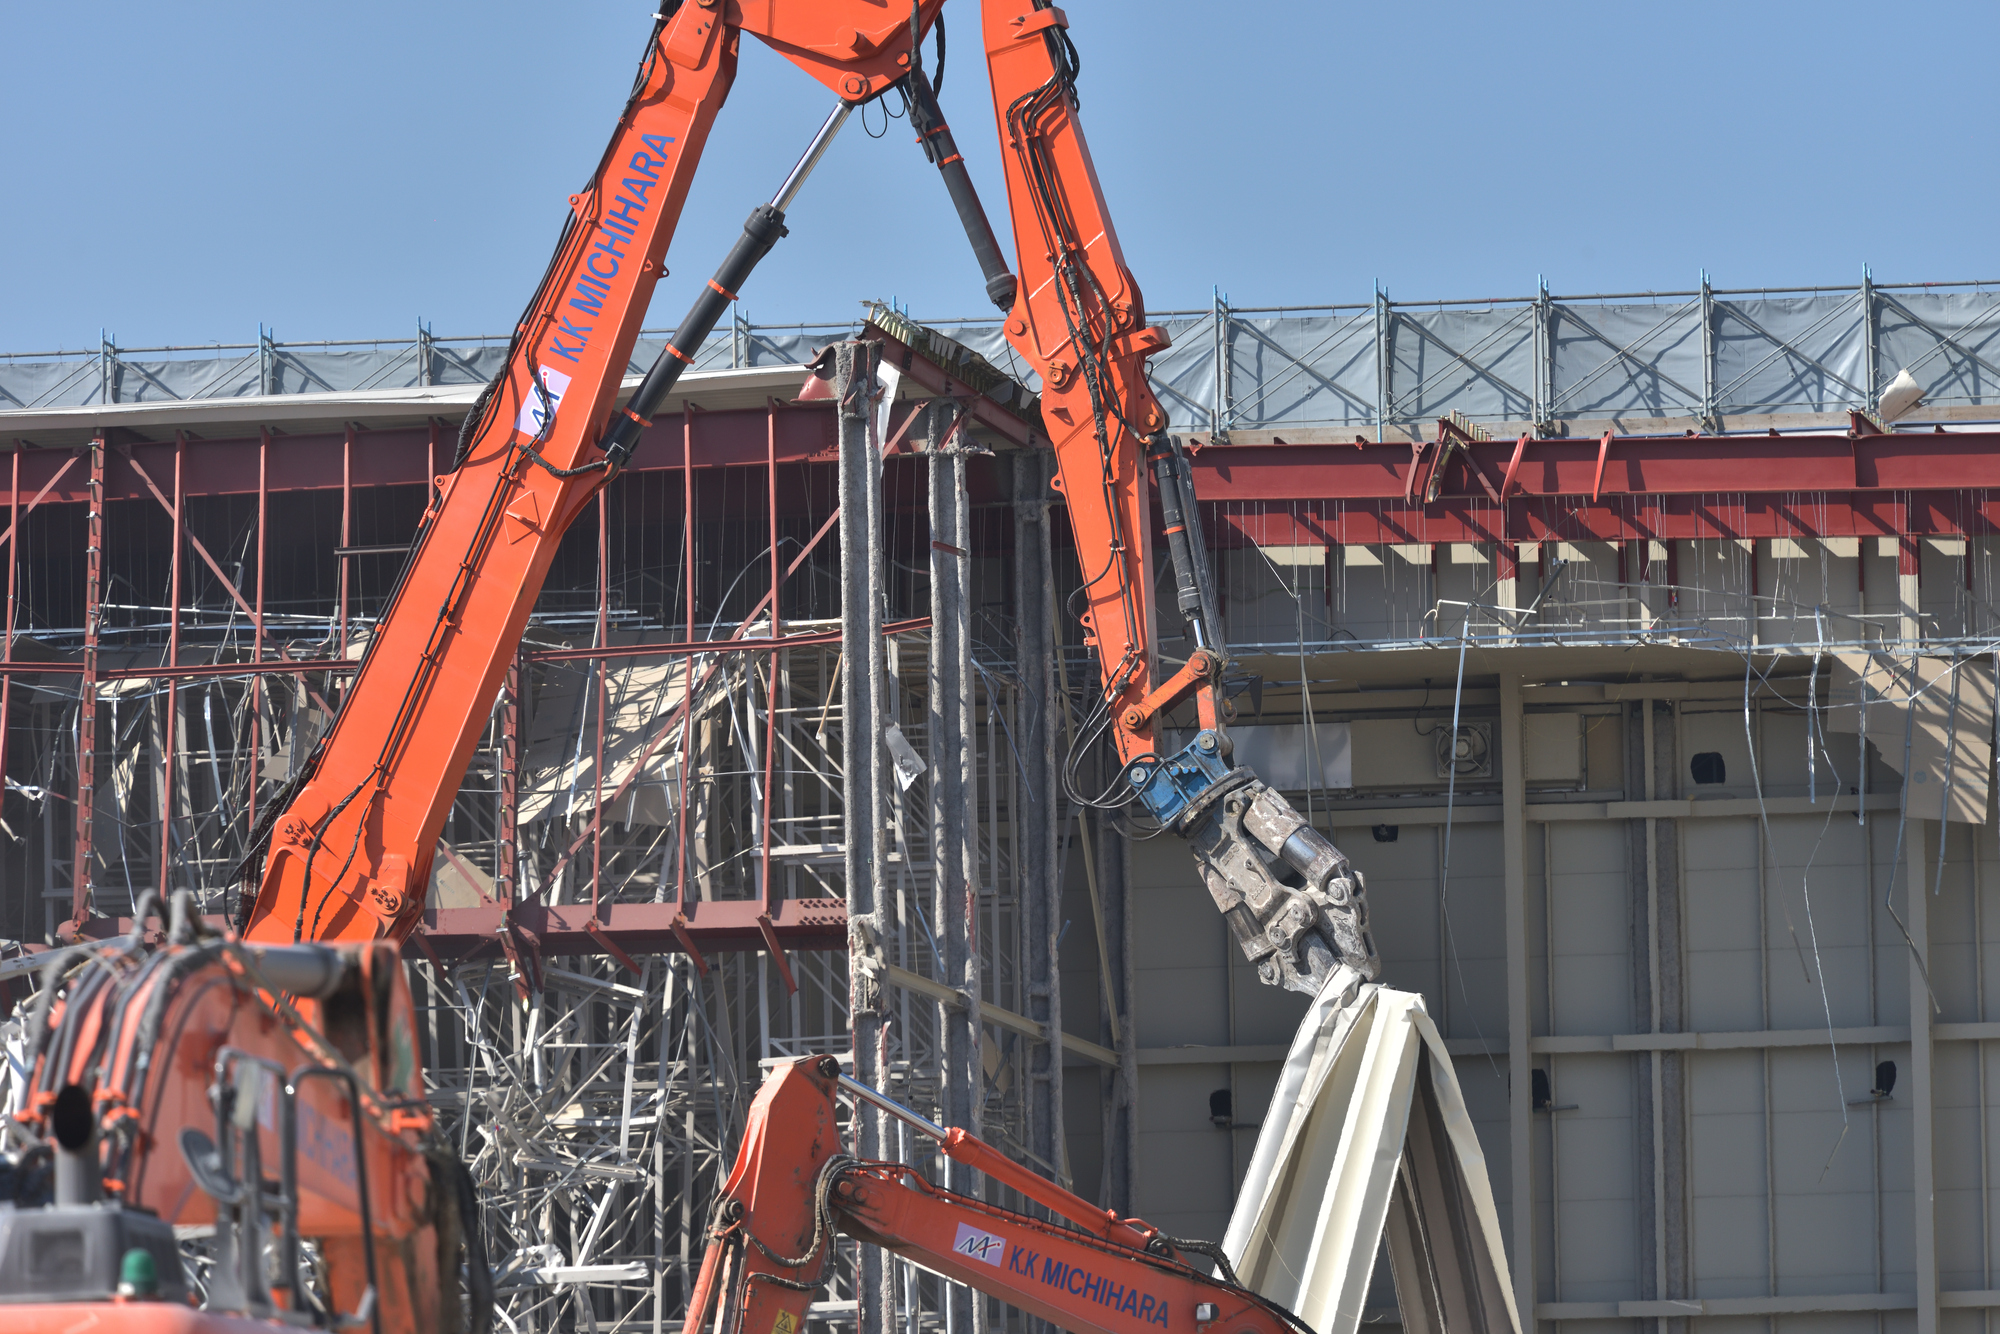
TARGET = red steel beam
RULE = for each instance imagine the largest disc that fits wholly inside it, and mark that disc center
(733, 438)
(636, 928)
(935, 379)
(296, 666)
(1715, 515)
(1653, 466)
(1634, 465)
(644, 928)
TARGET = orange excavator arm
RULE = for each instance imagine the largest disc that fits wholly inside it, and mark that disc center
(1294, 905)
(346, 855)
(124, 1087)
(1088, 1271)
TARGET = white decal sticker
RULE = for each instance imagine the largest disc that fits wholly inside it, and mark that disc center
(535, 413)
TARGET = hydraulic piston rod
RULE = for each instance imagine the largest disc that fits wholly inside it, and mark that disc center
(927, 119)
(760, 232)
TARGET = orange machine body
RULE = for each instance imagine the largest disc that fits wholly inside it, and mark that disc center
(151, 1033)
(130, 1317)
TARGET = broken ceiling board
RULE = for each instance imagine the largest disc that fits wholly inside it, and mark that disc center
(1929, 718)
(559, 754)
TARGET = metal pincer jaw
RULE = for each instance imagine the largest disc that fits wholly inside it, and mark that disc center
(1297, 908)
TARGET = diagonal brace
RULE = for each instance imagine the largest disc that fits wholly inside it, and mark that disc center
(196, 542)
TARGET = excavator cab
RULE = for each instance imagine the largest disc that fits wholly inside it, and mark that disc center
(274, 1092)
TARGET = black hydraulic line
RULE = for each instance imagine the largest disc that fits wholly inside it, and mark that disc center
(927, 119)
(760, 232)
(1204, 571)
(179, 966)
(1189, 587)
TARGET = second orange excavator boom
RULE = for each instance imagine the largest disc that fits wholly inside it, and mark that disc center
(771, 1234)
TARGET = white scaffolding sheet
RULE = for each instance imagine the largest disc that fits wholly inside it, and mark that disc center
(1368, 1131)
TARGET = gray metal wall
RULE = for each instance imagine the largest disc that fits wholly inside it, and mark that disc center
(1706, 973)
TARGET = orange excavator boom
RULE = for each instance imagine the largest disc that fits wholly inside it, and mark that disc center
(793, 1188)
(346, 856)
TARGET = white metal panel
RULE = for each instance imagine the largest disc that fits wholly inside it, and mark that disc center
(1590, 920)
(1473, 1001)
(1828, 1189)
(1186, 1179)
(1826, 1232)
(1397, 752)
(1402, 904)
(1594, 1158)
(1819, 922)
(1725, 980)
(1551, 748)
(1180, 986)
(1306, 1229)
(1956, 921)
(1292, 757)
(1726, 1163)
(1961, 1238)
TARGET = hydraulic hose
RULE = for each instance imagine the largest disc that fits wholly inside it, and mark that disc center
(1166, 461)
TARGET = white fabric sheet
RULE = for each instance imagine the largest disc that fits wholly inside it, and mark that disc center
(1368, 1129)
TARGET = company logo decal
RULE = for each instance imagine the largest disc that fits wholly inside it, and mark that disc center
(981, 1246)
(537, 413)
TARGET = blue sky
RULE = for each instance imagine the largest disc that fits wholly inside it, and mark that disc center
(177, 174)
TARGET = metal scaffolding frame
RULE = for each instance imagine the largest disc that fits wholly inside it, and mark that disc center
(649, 886)
(666, 758)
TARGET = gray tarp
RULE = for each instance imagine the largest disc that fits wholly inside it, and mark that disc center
(1595, 358)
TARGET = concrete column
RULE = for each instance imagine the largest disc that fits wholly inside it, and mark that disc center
(953, 793)
(1121, 1086)
(1520, 1111)
(1039, 804)
(1507, 576)
(1658, 1004)
(1922, 1072)
(1664, 871)
(1908, 587)
(863, 693)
